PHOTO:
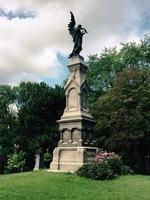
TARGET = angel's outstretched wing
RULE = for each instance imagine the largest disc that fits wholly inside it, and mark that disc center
(71, 25)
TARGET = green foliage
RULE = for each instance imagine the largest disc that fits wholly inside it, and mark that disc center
(104, 166)
(123, 117)
(104, 170)
(116, 165)
(47, 159)
(97, 171)
(34, 126)
(8, 123)
(119, 168)
(112, 159)
(15, 162)
(126, 170)
(38, 113)
(104, 68)
(40, 107)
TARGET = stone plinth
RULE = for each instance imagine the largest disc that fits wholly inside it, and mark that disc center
(71, 158)
(76, 146)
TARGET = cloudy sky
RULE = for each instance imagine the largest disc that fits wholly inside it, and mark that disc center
(34, 40)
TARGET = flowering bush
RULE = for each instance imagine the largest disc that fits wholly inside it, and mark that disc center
(104, 166)
(96, 171)
(105, 156)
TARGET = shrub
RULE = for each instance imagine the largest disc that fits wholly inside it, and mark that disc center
(47, 159)
(105, 156)
(97, 171)
(125, 170)
(2, 164)
(116, 165)
(104, 166)
(2, 160)
(15, 162)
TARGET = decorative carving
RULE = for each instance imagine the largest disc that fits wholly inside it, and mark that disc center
(72, 99)
(76, 124)
(76, 135)
(66, 135)
(84, 99)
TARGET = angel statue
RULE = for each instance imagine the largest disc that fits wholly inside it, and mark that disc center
(77, 35)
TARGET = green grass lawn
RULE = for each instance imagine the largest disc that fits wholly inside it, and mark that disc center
(43, 185)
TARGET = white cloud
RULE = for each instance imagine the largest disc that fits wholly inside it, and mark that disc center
(28, 47)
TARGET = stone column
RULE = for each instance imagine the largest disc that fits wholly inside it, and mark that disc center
(76, 146)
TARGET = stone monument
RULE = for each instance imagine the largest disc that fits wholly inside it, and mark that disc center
(76, 146)
(38, 160)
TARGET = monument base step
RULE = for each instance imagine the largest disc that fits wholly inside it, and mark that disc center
(70, 159)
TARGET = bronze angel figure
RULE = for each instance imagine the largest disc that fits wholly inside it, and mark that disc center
(77, 35)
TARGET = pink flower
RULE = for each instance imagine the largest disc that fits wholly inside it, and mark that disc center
(104, 156)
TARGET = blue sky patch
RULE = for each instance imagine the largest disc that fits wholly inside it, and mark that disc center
(19, 13)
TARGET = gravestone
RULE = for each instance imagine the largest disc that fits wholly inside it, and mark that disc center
(38, 160)
(76, 146)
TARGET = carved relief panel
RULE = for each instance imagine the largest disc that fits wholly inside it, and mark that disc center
(76, 135)
(65, 135)
(72, 99)
(84, 100)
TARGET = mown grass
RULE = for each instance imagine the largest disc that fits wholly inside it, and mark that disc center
(43, 185)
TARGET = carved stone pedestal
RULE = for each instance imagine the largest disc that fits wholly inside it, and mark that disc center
(71, 158)
(76, 146)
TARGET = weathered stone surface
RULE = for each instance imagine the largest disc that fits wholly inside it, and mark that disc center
(38, 162)
(71, 158)
(76, 146)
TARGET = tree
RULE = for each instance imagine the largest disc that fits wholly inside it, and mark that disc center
(123, 116)
(8, 121)
(104, 68)
(34, 125)
(40, 106)
(8, 124)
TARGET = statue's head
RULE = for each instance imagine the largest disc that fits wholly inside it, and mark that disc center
(79, 26)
